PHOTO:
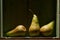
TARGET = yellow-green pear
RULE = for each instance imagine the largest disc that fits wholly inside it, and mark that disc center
(47, 29)
(18, 31)
(34, 27)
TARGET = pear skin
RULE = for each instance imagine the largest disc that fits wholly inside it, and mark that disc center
(34, 27)
(47, 29)
(18, 31)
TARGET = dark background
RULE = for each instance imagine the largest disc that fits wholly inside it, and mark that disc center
(0, 17)
(15, 12)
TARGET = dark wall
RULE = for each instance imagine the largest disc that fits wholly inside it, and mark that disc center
(16, 12)
(0, 17)
(46, 8)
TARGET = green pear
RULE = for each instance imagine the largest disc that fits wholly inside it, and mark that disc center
(18, 31)
(34, 27)
(47, 29)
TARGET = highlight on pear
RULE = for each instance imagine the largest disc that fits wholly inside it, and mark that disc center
(18, 31)
(47, 29)
(34, 27)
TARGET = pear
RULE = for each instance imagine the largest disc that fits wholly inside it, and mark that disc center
(18, 31)
(47, 29)
(34, 27)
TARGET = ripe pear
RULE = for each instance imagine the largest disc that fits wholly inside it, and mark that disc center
(18, 31)
(34, 27)
(47, 29)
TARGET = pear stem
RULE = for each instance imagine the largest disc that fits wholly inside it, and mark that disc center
(31, 11)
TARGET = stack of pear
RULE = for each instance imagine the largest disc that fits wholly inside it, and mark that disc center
(20, 30)
(47, 29)
(34, 27)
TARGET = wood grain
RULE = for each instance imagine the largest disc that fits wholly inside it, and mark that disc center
(29, 39)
